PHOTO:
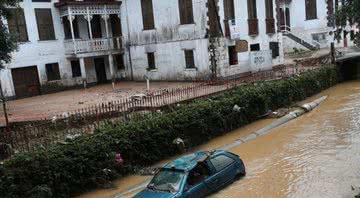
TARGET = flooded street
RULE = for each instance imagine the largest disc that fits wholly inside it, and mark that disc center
(316, 155)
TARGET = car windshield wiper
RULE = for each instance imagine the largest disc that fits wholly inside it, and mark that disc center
(152, 187)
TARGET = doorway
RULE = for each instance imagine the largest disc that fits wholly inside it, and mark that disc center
(100, 70)
(285, 18)
(26, 81)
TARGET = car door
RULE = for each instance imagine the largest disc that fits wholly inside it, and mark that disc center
(197, 191)
(224, 172)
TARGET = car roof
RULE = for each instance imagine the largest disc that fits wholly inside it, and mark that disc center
(188, 162)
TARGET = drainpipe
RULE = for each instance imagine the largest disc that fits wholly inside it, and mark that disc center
(292, 115)
(129, 41)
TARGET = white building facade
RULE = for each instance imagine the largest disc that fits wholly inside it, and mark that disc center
(55, 54)
(76, 43)
(308, 20)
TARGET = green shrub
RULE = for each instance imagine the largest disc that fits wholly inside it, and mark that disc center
(89, 162)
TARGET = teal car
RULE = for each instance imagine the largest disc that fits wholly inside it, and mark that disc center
(196, 175)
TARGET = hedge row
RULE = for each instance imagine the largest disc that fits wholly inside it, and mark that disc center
(84, 164)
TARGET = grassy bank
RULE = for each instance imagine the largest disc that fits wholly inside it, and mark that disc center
(89, 162)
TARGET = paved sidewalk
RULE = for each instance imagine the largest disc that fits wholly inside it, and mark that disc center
(45, 106)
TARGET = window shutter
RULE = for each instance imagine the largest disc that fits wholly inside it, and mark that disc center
(45, 24)
(147, 14)
(252, 9)
(17, 24)
(186, 12)
(229, 12)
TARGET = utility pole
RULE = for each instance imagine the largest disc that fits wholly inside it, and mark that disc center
(3, 101)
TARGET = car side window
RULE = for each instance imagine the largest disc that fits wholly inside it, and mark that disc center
(220, 162)
(198, 175)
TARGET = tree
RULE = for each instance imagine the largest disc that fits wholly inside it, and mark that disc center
(346, 13)
(8, 42)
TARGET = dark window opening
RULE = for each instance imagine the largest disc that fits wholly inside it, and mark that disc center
(252, 13)
(115, 25)
(67, 28)
(45, 24)
(253, 22)
(186, 12)
(274, 47)
(119, 58)
(255, 47)
(52, 71)
(75, 68)
(233, 56)
(189, 59)
(17, 25)
(147, 14)
(229, 12)
(151, 61)
(310, 8)
(96, 26)
(270, 21)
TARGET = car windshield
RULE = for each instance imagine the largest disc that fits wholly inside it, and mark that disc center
(167, 180)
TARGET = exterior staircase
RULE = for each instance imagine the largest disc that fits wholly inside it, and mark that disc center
(302, 40)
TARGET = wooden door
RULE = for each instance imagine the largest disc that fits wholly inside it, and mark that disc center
(26, 81)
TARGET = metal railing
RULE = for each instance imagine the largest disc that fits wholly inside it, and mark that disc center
(287, 30)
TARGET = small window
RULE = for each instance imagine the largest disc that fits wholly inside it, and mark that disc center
(233, 56)
(189, 59)
(147, 14)
(52, 71)
(186, 12)
(274, 47)
(75, 68)
(255, 47)
(220, 162)
(119, 58)
(45, 24)
(17, 24)
(151, 61)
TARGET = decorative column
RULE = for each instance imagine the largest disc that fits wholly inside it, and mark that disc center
(83, 72)
(71, 18)
(112, 70)
(88, 17)
(105, 17)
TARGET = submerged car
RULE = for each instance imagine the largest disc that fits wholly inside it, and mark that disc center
(196, 175)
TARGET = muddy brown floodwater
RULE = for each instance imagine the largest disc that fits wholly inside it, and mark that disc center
(316, 155)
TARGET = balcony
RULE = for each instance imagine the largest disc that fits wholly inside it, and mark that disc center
(80, 46)
(91, 27)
